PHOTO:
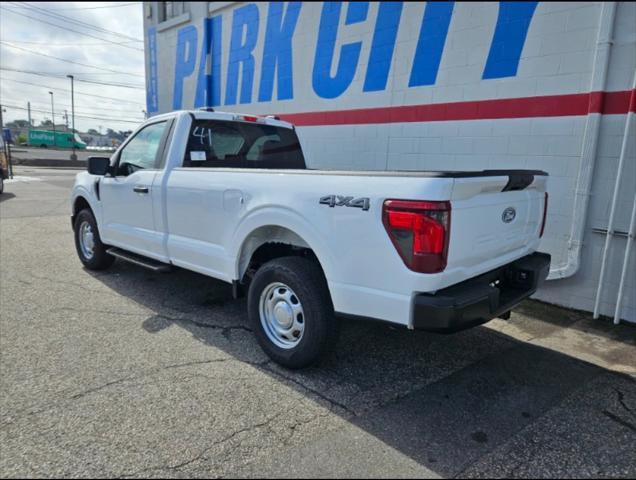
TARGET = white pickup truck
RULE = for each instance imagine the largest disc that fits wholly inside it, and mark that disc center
(229, 196)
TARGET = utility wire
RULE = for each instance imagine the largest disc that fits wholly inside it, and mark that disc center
(40, 74)
(69, 61)
(81, 111)
(92, 111)
(79, 116)
(66, 72)
(121, 85)
(68, 29)
(69, 91)
(94, 8)
(55, 44)
(79, 23)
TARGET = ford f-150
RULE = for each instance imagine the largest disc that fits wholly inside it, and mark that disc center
(229, 196)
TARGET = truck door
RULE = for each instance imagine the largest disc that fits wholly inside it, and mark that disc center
(127, 197)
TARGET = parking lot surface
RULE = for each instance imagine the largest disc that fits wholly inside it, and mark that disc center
(134, 374)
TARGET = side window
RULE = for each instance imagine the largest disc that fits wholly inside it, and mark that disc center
(141, 152)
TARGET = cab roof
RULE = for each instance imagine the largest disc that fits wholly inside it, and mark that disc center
(204, 114)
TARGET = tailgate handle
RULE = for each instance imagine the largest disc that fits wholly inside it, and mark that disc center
(518, 181)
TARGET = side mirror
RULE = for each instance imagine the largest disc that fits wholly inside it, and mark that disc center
(98, 165)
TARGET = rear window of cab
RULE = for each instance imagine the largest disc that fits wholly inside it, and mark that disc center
(222, 144)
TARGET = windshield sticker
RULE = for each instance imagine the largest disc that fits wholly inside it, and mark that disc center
(197, 156)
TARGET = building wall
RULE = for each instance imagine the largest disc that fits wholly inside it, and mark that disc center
(427, 86)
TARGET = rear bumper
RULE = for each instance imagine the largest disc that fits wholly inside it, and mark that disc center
(482, 298)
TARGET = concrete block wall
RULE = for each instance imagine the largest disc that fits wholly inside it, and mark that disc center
(556, 59)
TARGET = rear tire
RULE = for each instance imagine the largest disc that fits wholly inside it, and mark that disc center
(291, 312)
(89, 246)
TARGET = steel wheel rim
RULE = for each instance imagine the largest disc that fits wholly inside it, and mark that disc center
(86, 240)
(282, 315)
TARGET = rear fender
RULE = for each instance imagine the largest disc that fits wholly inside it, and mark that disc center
(277, 224)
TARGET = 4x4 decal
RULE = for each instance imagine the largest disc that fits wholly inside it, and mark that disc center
(344, 201)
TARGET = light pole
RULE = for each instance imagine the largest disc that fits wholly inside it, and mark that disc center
(53, 118)
(73, 155)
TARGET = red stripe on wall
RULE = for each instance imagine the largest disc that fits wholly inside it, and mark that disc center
(608, 103)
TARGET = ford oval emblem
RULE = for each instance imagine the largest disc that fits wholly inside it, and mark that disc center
(508, 215)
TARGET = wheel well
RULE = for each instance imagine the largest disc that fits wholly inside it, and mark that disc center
(268, 243)
(272, 250)
(80, 204)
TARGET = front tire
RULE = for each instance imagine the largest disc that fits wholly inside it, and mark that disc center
(89, 246)
(291, 313)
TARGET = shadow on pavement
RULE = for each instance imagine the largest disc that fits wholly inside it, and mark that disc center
(447, 402)
(559, 317)
(6, 195)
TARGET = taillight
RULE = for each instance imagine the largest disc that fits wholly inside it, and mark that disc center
(420, 232)
(249, 118)
(545, 214)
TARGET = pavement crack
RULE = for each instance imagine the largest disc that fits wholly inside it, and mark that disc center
(315, 392)
(101, 387)
(292, 428)
(201, 454)
(146, 374)
(621, 399)
(201, 362)
(41, 408)
(619, 420)
(225, 329)
(96, 310)
(56, 282)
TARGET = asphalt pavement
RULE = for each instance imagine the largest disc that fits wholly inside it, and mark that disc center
(128, 373)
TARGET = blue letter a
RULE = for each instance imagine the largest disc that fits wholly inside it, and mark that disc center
(209, 84)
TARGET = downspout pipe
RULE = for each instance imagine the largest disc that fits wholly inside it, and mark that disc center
(590, 144)
(610, 225)
(628, 252)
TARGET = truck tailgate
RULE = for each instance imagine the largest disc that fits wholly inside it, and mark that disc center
(494, 218)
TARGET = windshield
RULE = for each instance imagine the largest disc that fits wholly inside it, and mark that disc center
(214, 143)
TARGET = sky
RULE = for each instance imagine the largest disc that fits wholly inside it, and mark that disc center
(109, 49)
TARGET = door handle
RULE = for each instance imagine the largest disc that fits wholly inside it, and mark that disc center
(140, 189)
